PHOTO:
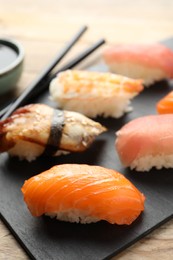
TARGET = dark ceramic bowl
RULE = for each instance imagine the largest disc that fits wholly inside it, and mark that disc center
(11, 64)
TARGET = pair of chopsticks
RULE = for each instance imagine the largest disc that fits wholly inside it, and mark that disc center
(43, 80)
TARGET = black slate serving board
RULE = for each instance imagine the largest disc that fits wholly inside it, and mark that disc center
(45, 238)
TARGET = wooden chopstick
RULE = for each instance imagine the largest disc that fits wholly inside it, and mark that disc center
(47, 70)
(44, 83)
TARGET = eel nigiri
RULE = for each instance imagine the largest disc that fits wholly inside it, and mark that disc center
(146, 142)
(94, 93)
(83, 194)
(165, 105)
(150, 62)
(38, 129)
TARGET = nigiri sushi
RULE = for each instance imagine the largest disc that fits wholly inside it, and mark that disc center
(150, 62)
(146, 142)
(94, 93)
(165, 105)
(38, 129)
(83, 194)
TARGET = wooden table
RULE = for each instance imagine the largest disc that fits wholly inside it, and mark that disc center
(44, 26)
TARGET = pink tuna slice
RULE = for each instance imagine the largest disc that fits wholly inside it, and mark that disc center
(150, 55)
(149, 135)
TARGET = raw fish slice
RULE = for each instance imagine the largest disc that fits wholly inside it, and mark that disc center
(38, 129)
(165, 105)
(150, 62)
(146, 142)
(83, 193)
(94, 93)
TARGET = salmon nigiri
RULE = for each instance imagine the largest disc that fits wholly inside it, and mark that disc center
(83, 194)
(150, 62)
(165, 105)
(94, 93)
(146, 142)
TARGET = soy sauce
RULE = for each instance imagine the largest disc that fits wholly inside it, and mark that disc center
(7, 56)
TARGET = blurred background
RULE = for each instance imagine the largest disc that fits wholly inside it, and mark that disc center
(44, 26)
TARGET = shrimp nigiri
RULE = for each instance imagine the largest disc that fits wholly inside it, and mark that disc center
(150, 62)
(83, 194)
(165, 105)
(94, 93)
(146, 142)
(38, 129)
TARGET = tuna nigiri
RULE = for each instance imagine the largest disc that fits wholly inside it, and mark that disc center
(165, 105)
(94, 93)
(146, 142)
(38, 129)
(150, 62)
(83, 194)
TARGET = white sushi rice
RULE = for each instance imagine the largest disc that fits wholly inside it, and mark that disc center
(73, 216)
(30, 151)
(26, 150)
(159, 161)
(113, 106)
(137, 71)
